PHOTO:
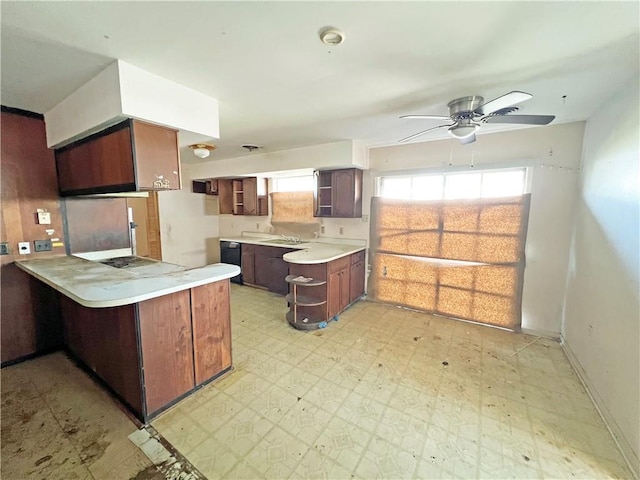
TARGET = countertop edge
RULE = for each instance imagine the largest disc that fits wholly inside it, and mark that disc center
(322, 260)
(118, 302)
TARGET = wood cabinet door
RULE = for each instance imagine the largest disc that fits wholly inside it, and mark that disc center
(345, 283)
(250, 196)
(278, 270)
(343, 189)
(356, 280)
(248, 263)
(261, 264)
(104, 339)
(211, 321)
(99, 164)
(167, 348)
(333, 293)
(225, 196)
(156, 157)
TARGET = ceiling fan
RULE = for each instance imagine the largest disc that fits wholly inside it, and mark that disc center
(468, 113)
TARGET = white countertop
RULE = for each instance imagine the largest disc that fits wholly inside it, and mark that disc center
(95, 285)
(307, 252)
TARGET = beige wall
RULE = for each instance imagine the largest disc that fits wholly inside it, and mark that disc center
(602, 314)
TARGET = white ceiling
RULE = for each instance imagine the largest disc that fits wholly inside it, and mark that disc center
(280, 87)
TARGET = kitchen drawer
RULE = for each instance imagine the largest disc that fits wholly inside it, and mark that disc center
(339, 264)
(357, 257)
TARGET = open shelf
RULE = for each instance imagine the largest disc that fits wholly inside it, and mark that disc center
(306, 323)
(304, 301)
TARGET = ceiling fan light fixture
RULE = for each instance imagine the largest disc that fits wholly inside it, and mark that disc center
(202, 150)
(463, 131)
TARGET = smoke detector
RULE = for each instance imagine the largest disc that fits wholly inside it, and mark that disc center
(250, 147)
(331, 36)
(202, 150)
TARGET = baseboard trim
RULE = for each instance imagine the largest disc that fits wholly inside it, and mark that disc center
(541, 333)
(630, 457)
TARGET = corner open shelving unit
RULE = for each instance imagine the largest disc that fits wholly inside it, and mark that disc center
(296, 301)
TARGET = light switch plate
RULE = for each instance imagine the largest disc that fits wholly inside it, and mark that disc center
(4, 248)
(44, 218)
(24, 248)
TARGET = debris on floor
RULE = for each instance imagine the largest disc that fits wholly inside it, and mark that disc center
(168, 463)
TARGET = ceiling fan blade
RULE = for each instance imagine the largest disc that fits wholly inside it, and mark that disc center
(504, 101)
(524, 119)
(432, 117)
(422, 133)
(467, 140)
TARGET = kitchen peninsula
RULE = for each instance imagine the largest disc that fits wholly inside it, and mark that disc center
(153, 333)
(337, 267)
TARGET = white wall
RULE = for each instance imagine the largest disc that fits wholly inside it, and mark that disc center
(601, 328)
(554, 153)
(188, 227)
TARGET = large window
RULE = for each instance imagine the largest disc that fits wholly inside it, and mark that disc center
(299, 183)
(452, 244)
(456, 186)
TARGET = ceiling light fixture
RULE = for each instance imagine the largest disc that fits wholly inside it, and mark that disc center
(331, 36)
(463, 129)
(202, 150)
(251, 147)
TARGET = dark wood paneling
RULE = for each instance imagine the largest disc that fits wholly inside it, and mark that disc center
(271, 269)
(211, 321)
(103, 161)
(104, 339)
(30, 315)
(153, 227)
(167, 348)
(28, 182)
(156, 150)
(333, 293)
(97, 224)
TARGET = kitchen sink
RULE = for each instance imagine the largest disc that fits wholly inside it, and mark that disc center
(282, 241)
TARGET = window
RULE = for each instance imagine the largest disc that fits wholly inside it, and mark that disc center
(452, 244)
(456, 186)
(300, 183)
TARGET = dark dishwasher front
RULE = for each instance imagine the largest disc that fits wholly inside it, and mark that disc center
(231, 253)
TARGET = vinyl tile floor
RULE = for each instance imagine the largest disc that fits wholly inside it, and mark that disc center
(58, 423)
(382, 393)
(389, 393)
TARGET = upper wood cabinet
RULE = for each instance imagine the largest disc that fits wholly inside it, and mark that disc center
(338, 193)
(243, 196)
(130, 156)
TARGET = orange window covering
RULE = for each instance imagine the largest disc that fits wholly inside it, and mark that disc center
(459, 258)
(292, 208)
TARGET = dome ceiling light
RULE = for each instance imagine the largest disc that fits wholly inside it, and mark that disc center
(202, 150)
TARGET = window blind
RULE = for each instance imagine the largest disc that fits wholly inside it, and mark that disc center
(459, 258)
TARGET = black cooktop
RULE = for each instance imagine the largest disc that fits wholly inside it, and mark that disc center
(126, 262)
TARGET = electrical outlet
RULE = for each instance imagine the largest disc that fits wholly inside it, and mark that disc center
(4, 248)
(341, 231)
(322, 229)
(24, 248)
(42, 245)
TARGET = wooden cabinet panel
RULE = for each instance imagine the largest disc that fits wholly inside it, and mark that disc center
(167, 348)
(338, 193)
(271, 269)
(339, 264)
(130, 156)
(248, 263)
(104, 339)
(104, 162)
(156, 160)
(225, 196)
(356, 277)
(333, 293)
(211, 320)
(250, 195)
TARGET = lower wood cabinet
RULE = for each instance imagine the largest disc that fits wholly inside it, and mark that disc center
(154, 352)
(263, 266)
(345, 284)
(211, 323)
